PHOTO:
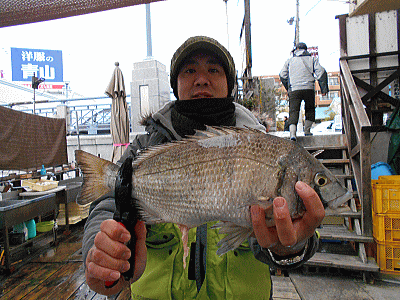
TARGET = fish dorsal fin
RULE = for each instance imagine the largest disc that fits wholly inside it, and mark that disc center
(210, 132)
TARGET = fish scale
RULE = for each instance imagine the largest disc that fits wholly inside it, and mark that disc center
(217, 176)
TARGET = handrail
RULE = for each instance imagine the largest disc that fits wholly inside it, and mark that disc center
(356, 98)
(356, 124)
(358, 114)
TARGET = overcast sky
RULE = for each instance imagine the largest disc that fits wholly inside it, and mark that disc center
(92, 43)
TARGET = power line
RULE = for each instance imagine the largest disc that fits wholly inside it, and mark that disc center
(313, 7)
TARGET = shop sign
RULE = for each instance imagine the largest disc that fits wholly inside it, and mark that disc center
(46, 64)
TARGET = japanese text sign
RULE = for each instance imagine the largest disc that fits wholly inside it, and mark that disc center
(46, 64)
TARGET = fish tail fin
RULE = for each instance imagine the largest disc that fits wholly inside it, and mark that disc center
(236, 235)
(98, 176)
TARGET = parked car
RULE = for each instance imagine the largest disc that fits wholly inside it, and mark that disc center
(327, 127)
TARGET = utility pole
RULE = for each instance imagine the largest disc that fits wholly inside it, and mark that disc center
(227, 28)
(247, 31)
(148, 32)
(297, 29)
(247, 76)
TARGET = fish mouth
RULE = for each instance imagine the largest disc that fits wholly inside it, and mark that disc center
(335, 203)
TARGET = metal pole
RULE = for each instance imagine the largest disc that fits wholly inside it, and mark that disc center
(248, 37)
(148, 31)
(34, 94)
(77, 130)
(66, 91)
(227, 27)
(34, 101)
(297, 30)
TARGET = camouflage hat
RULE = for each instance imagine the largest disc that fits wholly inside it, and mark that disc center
(196, 43)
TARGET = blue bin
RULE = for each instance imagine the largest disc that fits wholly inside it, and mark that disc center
(381, 169)
(31, 225)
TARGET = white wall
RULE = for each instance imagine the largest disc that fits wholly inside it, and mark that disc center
(94, 144)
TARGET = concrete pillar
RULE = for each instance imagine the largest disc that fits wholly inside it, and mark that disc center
(150, 90)
(63, 111)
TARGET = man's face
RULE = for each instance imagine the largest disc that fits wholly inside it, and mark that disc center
(202, 76)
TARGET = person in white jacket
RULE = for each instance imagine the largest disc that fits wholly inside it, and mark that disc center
(298, 76)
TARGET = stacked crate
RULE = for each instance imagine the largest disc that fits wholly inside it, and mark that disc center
(386, 222)
(76, 213)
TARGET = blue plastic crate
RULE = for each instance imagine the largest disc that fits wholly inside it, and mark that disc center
(381, 169)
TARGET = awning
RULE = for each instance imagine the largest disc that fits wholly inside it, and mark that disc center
(17, 12)
(365, 7)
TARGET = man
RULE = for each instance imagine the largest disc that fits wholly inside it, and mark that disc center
(285, 123)
(298, 76)
(202, 78)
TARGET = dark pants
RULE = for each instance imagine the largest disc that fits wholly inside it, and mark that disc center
(295, 99)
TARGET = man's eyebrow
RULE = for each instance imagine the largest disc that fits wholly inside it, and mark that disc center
(214, 61)
(189, 61)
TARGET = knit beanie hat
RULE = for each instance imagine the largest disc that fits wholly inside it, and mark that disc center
(301, 46)
(194, 44)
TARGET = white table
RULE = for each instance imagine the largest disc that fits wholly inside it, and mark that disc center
(35, 193)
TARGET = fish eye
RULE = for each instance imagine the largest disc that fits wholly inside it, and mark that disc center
(320, 179)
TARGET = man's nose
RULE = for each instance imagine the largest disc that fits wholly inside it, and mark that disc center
(201, 79)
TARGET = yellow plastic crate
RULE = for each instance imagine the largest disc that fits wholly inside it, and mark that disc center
(388, 257)
(386, 197)
(386, 227)
(389, 179)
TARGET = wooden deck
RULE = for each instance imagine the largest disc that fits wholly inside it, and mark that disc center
(56, 272)
(44, 271)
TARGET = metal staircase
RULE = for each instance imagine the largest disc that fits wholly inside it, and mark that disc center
(367, 73)
(349, 227)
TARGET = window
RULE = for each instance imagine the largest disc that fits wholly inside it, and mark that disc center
(329, 96)
(144, 99)
(333, 80)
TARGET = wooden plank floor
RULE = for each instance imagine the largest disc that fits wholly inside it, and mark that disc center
(56, 272)
(50, 272)
(340, 286)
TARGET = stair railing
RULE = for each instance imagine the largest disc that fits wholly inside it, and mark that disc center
(355, 125)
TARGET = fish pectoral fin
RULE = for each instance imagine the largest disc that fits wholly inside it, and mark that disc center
(236, 235)
(265, 203)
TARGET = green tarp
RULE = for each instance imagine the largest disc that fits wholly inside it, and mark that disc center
(393, 125)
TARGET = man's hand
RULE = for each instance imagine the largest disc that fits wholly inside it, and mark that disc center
(288, 236)
(108, 258)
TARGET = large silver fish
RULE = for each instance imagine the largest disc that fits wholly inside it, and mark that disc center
(216, 176)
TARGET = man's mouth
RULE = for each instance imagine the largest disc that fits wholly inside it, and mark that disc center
(202, 95)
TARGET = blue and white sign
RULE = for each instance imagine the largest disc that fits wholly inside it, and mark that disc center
(46, 64)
